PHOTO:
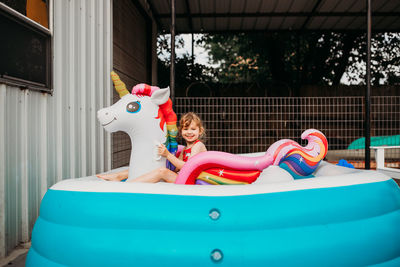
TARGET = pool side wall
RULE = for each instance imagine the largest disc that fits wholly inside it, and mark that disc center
(353, 225)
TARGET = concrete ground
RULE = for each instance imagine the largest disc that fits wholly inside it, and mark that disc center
(18, 261)
(17, 257)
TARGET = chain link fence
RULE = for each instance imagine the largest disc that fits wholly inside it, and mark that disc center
(245, 125)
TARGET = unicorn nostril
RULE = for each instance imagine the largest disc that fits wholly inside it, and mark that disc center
(106, 113)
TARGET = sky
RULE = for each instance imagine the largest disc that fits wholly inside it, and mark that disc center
(201, 55)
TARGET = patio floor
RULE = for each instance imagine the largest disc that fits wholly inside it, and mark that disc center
(18, 261)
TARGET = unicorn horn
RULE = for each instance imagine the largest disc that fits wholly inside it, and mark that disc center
(120, 86)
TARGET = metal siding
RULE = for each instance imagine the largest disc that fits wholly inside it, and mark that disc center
(248, 23)
(237, 6)
(209, 23)
(180, 6)
(99, 78)
(163, 7)
(347, 6)
(283, 5)
(92, 72)
(389, 23)
(299, 6)
(220, 6)
(234, 23)
(197, 24)
(262, 23)
(252, 6)
(268, 6)
(221, 24)
(45, 138)
(108, 40)
(2, 171)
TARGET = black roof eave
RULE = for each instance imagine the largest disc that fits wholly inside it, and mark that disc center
(282, 31)
(279, 14)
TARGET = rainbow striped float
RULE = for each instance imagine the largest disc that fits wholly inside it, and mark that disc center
(219, 168)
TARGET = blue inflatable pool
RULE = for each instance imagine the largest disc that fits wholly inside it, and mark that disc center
(341, 217)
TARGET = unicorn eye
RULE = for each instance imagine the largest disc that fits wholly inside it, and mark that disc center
(133, 107)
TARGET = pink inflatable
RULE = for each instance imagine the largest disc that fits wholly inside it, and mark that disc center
(211, 166)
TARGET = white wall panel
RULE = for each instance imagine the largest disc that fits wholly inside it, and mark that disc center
(46, 138)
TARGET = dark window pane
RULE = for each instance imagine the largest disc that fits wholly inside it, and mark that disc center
(18, 5)
(23, 51)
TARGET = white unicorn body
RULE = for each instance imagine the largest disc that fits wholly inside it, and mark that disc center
(138, 116)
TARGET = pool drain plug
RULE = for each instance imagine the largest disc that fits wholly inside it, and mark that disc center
(214, 214)
(216, 255)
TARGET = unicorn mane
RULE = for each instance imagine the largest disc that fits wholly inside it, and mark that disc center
(166, 115)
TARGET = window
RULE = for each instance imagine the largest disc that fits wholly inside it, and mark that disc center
(25, 44)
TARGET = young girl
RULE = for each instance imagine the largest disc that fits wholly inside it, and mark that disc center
(191, 129)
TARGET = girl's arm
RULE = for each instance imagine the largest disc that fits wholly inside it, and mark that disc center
(163, 151)
(178, 163)
(175, 161)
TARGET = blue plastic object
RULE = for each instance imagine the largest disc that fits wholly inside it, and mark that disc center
(354, 225)
(344, 163)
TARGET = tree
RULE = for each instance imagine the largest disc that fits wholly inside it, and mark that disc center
(186, 71)
(297, 59)
(285, 62)
(385, 60)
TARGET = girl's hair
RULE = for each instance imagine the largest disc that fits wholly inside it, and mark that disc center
(187, 119)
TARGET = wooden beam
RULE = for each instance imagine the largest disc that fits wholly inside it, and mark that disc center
(313, 12)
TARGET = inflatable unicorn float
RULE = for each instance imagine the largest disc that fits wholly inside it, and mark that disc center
(285, 207)
(146, 115)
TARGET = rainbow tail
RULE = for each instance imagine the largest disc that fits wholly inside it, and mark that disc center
(300, 161)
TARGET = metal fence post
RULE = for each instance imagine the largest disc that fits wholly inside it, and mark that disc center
(368, 92)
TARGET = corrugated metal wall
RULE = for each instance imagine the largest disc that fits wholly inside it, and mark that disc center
(46, 138)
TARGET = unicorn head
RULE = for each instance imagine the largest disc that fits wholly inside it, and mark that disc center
(145, 115)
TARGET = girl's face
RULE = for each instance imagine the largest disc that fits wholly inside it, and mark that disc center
(191, 133)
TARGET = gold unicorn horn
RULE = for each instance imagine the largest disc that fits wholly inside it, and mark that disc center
(120, 86)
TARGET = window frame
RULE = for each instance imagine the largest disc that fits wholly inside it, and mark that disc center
(38, 29)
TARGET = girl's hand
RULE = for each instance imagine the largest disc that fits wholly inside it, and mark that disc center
(163, 151)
